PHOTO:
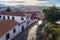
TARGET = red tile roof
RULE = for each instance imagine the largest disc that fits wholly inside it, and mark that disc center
(18, 13)
(35, 15)
(6, 25)
(12, 13)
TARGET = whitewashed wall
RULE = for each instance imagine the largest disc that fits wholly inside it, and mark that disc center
(17, 18)
(1, 17)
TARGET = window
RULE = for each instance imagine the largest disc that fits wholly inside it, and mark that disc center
(22, 18)
(8, 17)
(7, 36)
(4, 17)
(0, 16)
(12, 18)
(14, 30)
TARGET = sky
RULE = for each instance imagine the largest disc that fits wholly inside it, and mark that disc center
(31, 2)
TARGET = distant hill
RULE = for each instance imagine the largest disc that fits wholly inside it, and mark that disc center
(22, 8)
(28, 8)
(2, 5)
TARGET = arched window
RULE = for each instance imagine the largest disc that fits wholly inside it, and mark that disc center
(4, 17)
(8, 17)
(13, 18)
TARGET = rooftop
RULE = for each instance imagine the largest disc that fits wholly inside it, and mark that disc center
(12, 13)
(35, 15)
(6, 25)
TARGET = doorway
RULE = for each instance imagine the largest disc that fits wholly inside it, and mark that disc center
(22, 27)
(7, 36)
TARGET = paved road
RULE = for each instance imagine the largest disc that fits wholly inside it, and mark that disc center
(30, 33)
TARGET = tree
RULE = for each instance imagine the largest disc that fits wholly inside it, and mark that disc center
(54, 29)
(8, 9)
(52, 13)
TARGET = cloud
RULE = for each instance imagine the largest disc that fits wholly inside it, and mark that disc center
(42, 0)
(30, 2)
(12, 1)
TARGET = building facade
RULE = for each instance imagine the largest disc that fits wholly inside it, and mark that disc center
(13, 23)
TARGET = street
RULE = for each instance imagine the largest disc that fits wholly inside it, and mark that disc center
(30, 33)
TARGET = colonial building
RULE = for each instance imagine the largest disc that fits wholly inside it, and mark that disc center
(34, 16)
(12, 23)
(9, 29)
(16, 16)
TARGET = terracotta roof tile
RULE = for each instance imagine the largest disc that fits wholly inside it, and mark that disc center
(6, 25)
(35, 15)
(12, 13)
(18, 13)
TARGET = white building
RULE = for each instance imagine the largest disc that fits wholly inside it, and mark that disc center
(16, 16)
(29, 17)
(34, 16)
(9, 29)
(12, 23)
